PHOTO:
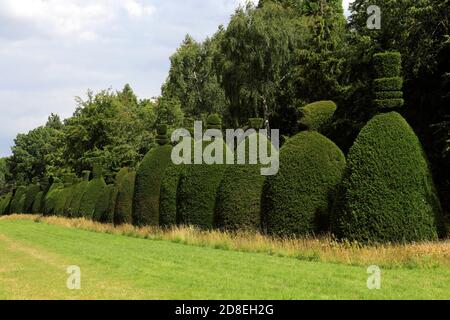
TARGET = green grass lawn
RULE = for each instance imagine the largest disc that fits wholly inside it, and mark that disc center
(34, 258)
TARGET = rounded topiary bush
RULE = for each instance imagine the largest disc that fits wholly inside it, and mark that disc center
(93, 191)
(387, 64)
(4, 204)
(51, 198)
(73, 207)
(168, 196)
(148, 185)
(37, 203)
(62, 198)
(30, 196)
(316, 115)
(102, 207)
(296, 200)
(238, 204)
(387, 194)
(198, 190)
(123, 212)
(18, 201)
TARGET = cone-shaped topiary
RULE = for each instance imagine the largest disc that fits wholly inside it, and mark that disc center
(102, 207)
(62, 198)
(109, 217)
(388, 84)
(73, 206)
(296, 200)
(317, 115)
(90, 197)
(17, 204)
(37, 203)
(4, 204)
(388, 194)
(30, 196)
(168, 196)
(239, 197)
(124, 202)
(148, 185)
(52, 197)
(199, 185)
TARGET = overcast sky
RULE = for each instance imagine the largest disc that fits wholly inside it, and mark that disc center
(54, 50)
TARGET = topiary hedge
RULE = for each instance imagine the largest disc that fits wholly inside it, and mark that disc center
(238, 204)
(30, 196)
(296, 200)
(387, 64)
(103, 205)
(316, 115)
(109, 215)
(4, 203)
(148, 185)
(93, 191)
(387, 194)
(73, 207)
(52, 197)
(18, 200)
(62, 199)
(37, 203)
(388, 84)
(123, 212)
(197, 192)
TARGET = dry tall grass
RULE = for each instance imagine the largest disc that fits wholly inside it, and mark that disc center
(324, 249)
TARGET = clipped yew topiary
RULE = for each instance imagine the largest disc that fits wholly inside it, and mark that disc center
(62, 198)
(37, 203)
(73, 207)
(238, 203)
(387, 194)
(168, 196)
(18, 200)
(123, 212)
(92, 193)
(102, 207)
(296, 200)
(51, 198)
(198, 188)
(4, 204)
(316, 115)
(388, 84)
(148, 181)
(30, 196)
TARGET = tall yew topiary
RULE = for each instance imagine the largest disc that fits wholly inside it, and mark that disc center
(168, 195)
(18, 200)
(238, 203)
(388, 193)
(102, 207)
(199, 186)
(73, 207)
(296, 201)
(388, 83)
(123, 212)
(91, 195)
(148, 181)
(30, 196)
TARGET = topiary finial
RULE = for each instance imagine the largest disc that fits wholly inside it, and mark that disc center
(256, 123)
(161, 137)
(214, 122)
(388, 84)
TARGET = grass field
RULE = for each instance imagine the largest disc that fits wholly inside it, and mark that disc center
(34, 257)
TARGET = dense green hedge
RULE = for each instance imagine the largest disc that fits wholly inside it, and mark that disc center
(89, 199)
(168, 197)
(316, 115)
(30, 196)
(388, 84)
(197, 192)
(388, 95)
(148, 185)
(37, 203)
(62, 198)
(123, 212)
(4, 203)
(73, 207)
(109, 216)
(387, 193)
(239, 197)
(52, 197)
(383, 104)
(18, 201)
(103, 205)
(296, 200)
(387, 64)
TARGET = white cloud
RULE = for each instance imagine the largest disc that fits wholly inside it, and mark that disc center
(137, 9)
